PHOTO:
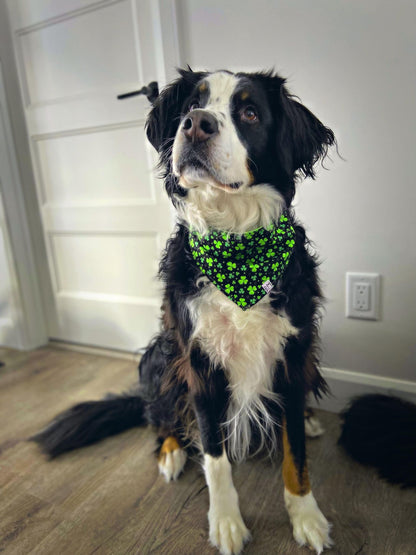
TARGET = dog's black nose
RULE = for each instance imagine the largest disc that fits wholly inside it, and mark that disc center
(199, 126)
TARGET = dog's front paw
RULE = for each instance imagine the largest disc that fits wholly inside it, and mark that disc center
(172, 459)
(310, 527)
(228, 532)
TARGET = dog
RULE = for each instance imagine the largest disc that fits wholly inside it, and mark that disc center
(237, 353)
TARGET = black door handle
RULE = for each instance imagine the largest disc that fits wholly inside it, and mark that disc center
(151, 92)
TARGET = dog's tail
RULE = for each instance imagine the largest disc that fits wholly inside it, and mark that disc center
(90, 422)
(380, 431)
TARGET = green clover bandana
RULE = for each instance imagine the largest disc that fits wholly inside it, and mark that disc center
(245, 267)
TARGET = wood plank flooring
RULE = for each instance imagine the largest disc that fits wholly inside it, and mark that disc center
(110, 499)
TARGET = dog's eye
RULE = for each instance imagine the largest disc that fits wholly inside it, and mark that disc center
(249, 114)
(194, 105)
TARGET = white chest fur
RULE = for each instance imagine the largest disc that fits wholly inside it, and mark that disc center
(247, 345)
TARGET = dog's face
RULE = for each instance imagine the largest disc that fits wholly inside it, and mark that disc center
(224, 120)
(233, 132)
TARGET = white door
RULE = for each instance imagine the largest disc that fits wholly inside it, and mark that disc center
(104, 214)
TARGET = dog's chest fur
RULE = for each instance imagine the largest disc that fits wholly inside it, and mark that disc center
(246, 345)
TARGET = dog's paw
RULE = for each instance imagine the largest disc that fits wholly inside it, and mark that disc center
(313, 427)
(171, 459)
(228, 533)
(310, 527)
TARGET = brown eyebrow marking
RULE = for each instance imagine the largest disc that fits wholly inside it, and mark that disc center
(203, 87)
(244, 95)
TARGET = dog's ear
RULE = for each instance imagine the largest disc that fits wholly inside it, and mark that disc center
(163, 120)
(302, 139)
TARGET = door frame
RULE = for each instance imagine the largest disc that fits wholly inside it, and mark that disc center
(33, 279)
(28, 317)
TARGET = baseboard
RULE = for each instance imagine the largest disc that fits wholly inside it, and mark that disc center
(345, 384)
(92, 350)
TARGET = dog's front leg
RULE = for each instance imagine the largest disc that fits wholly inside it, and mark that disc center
(310, 527)
(227, 530)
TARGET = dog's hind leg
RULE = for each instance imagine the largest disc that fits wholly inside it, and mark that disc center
(171, 458)
(313, 427)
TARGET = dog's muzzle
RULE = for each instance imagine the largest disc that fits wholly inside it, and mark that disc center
(192, 152)
(199, 126)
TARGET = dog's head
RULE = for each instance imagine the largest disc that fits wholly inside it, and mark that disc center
(233, 132)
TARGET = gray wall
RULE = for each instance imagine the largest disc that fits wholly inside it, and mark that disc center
(353, 64)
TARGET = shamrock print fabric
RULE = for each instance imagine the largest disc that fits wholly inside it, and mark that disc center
(245, 267)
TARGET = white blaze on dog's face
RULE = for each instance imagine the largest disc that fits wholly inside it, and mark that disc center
(207, 148)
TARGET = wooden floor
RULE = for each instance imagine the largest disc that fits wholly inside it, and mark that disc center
(109, 498)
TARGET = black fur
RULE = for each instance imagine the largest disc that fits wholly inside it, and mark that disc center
(175, 374)
(294, 407)
(90, 422)
(380, 431)
(182, 392)
(210, 404)
(288, 145)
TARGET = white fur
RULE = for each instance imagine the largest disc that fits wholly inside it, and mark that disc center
(227, 530)
(227, 156)
(247, 345)
(209, 202)
(310, 527)
(208, 207)
(172, 464)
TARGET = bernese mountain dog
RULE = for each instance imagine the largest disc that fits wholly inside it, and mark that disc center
(236, 356)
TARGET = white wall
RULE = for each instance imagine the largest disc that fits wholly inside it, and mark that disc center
(353, 64)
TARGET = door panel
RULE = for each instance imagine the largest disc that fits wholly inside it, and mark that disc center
(74, 255)
(104, 214)
(109, 165)
(58, 66)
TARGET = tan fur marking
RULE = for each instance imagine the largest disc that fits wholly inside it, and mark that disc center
(250, 173)
(181, 369)
(186, 374)
(244, 95)
(294, 482)
(202, 87)
(170, 444)
(286, 370)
